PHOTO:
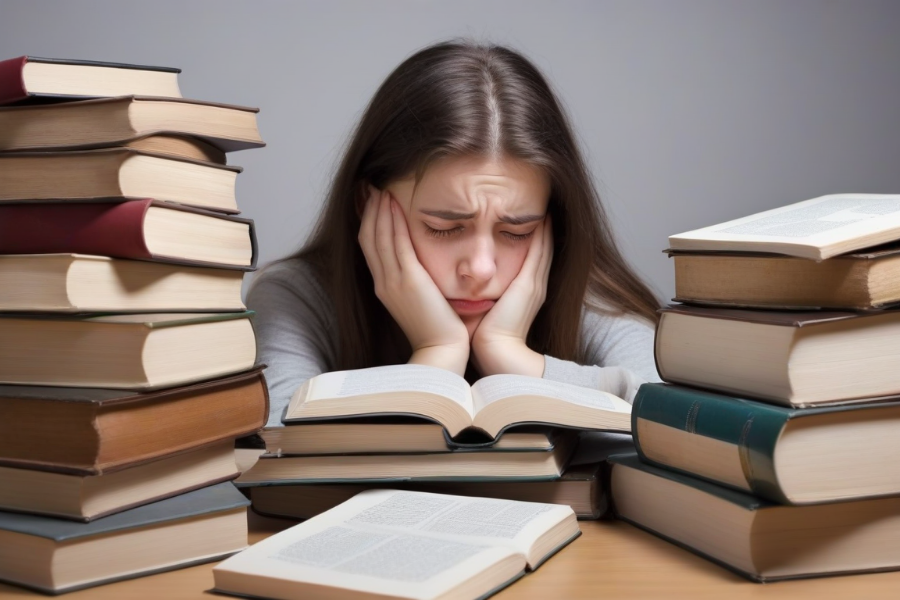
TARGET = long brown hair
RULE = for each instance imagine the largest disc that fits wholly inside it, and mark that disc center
(465, 99)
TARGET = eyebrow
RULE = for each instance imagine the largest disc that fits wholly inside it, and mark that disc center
(450, 215)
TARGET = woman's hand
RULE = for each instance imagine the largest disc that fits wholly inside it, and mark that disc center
(437, 335)
(498, 344)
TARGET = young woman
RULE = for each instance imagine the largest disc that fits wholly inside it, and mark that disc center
(462, 230)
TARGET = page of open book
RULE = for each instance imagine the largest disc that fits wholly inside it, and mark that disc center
(393, 379)
(488, 390)
(382, 538)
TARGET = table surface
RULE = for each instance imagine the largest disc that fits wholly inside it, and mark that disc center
(610, 560)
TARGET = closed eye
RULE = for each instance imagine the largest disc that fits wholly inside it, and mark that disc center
(443, 233)
(517, 237)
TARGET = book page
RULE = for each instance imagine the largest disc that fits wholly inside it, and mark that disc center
(497, 387)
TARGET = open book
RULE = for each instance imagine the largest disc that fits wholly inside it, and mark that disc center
(491, 404)
(398, 544)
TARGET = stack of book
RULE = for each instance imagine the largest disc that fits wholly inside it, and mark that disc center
(127, 358)
(773, 449)
(425, 429)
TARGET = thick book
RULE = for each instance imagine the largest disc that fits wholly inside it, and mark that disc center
(116, 174)
(31, 77)
(127, 351)
(143, 229)
(758, 539)
(491, 405)
(55, 556)
(817, 229)
(77, 283)
(580, 487)
(84, 431)
(397, 435)
(114, 121)
(859, 280)
(790, 456)
(398, 544)
(487, 463)
(790, 358)
(179, 146)
(87, 497)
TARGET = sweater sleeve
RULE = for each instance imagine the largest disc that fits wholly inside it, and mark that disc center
(294, 327)
(609, 341)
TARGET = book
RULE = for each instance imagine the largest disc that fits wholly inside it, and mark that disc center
(397, 544)
(791, 358)
(84, 431)
(860, 280)
(113, 121)
(817, 229)
(758, 539)
(380, 436)
(789, 456)
(490, 405)
(77, 283)
(179, 146)
(487, 463)
(31, 77)
(116, 174)
(55, 556)
(129, 351)
(87, 497)
(144, 229)
(579, 487)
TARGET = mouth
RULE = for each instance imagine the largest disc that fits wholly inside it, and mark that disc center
(471, 307)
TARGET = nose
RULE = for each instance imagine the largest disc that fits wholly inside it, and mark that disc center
(479, 261)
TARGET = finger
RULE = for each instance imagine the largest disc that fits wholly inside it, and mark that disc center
(535, 249)
(406, 253)
(547, 254)
(384, 237)
(367, 235)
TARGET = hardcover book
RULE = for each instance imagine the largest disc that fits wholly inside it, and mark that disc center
(114, 121)
(55, 556)
(397, 544)
(758, 539)
(176, 145)
(792, 456)
(116, 174)
(491, 405)
(85, 431)
(791, 358)
(31, 77)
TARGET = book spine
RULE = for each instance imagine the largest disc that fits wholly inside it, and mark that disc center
(12, 84)
(749, 429)
(104, 229)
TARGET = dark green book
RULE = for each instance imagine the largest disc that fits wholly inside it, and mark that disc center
(791, 456)
(56, 556)
(758, 539)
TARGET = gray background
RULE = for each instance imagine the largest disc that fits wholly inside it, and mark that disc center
(690, 112)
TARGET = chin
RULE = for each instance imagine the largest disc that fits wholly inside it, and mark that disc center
(472, 324)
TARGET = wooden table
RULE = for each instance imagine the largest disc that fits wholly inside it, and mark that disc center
(610, 560)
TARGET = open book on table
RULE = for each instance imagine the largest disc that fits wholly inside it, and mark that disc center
(399, 544)
(492, 404)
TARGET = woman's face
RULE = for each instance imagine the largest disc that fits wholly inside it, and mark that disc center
(471, 221)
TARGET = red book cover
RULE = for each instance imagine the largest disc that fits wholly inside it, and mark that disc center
(12, 87)
(98, 228)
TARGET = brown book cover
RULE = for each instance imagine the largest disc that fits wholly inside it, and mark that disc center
(93, 431)
(98, 228)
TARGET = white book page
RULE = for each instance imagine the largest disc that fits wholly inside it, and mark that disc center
(488, 390)
(392, 379)
(815, 222)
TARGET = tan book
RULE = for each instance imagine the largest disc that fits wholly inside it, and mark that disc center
(817, 229)
(116, 174)
(801, 358)
(397, 544)
(491, 405)
(87, 497)
(140, 351)
(113, 121)
(579, 487)
(859, 280)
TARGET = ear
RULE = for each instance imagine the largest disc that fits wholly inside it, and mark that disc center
(364, 189)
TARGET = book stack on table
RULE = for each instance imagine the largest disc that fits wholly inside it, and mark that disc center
(127, 358)
(425, 429)
(774, 449)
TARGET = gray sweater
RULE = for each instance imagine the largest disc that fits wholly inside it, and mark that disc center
(296, 333)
